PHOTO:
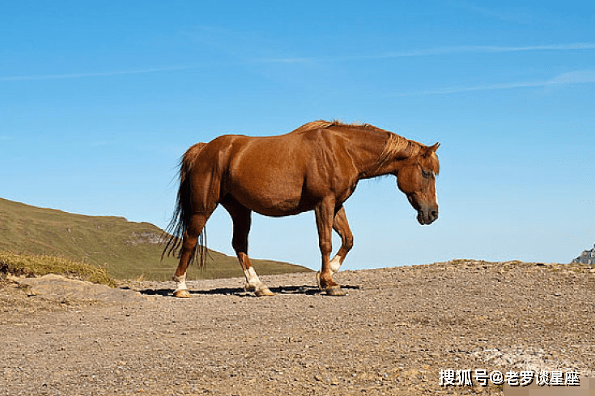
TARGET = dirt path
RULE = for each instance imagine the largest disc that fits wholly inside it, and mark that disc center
(393, 334)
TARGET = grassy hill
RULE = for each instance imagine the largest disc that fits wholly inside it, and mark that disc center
(126, 249)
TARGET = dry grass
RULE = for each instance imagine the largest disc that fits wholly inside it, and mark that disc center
(39, 265)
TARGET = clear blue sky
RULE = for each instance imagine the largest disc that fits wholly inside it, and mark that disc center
(99, 99)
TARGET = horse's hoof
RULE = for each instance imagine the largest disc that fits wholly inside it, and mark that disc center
(184, 293)
(335, 291)
(263, 291)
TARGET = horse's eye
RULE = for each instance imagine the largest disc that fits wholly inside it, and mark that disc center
(426, 173)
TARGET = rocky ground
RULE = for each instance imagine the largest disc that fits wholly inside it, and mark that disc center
(394, 333)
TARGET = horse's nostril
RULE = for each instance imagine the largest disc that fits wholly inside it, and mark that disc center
(434, 214)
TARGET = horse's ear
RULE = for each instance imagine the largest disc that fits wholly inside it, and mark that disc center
(428, 150)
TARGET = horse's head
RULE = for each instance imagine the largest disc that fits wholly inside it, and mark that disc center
(417, 179)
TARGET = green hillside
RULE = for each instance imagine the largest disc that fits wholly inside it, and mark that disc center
(127, 250)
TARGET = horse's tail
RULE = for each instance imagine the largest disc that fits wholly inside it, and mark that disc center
(183, 211)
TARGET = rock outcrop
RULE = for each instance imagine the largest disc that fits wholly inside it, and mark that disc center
(586, 257)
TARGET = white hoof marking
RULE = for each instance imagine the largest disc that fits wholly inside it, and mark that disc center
(253, 282)
(335, 264)
(180, 283)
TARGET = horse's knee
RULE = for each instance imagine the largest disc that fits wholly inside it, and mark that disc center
(326, 247)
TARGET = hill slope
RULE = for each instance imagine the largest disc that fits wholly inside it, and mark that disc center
(128, 250)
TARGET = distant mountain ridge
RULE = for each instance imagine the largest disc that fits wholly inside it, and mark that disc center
(586, 257)
(128, 250)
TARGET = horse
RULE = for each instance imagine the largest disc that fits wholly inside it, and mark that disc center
(315, 167)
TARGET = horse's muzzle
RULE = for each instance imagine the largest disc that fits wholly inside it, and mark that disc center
(427, 216)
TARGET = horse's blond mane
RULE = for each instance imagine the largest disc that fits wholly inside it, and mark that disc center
(322, 124)
(396, 146)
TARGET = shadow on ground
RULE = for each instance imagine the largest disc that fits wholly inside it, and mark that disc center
(239, 291)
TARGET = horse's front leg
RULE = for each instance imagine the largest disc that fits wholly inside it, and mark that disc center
(325, 214)
(341, 226)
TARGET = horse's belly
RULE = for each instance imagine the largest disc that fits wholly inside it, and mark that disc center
(278, 208)
(270, 197)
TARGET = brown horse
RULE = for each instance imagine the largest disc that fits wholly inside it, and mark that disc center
(316, 167)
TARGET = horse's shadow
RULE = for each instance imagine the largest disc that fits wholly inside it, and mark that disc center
(241, 292)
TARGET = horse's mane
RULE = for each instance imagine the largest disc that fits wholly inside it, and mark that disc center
(396, 146)
(335, 124)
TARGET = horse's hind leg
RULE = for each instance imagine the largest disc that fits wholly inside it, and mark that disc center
(240, 216)
(190, 240)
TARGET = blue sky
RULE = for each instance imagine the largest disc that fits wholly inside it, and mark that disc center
(98, 100)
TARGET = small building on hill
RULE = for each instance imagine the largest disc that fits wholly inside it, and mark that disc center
(586, 257)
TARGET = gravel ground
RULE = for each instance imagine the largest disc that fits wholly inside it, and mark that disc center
(394, 332)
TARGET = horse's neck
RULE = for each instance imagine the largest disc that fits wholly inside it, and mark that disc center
(366, 153)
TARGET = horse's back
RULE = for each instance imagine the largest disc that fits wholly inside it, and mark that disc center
(271, 150)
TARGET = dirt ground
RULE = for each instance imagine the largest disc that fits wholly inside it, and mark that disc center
(394, 333)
